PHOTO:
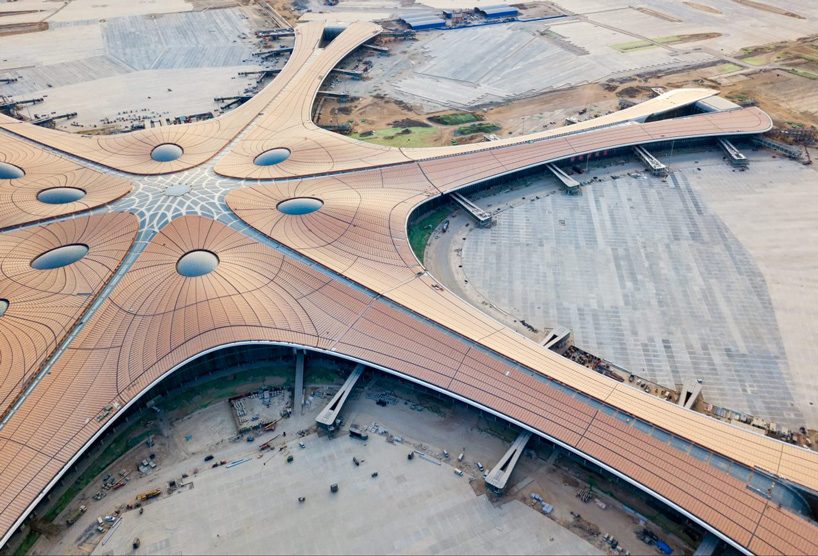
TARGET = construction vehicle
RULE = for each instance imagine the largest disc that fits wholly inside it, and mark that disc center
(148, 494)
(75, 515)
(356, 432)
(269, 427)
(136, 543)
(333, 488)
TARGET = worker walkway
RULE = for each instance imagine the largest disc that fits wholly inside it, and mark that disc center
(571, 185)
(482, 217)
(498, 477)
(330, 413)
(651, 162)
(734, 156)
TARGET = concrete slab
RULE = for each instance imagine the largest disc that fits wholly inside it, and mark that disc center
(412, 507)
(669, 279)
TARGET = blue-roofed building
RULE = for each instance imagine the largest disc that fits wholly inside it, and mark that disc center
(421, 22)
(498, 11)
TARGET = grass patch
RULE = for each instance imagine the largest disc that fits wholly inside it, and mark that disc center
(319, 374)
(634, 46)
(729, 68)
(421, 229)
(755, 60)
(411, 137)
(458, 118)
(27, 543)
(482, 127)
(803, 73)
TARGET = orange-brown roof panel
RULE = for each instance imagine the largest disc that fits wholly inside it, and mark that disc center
(43, 305)
(255, 293)
(50, 186)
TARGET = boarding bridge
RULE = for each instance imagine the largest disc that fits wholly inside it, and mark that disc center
(274, 52)
(261, 73)
(482, 217)
(498, 477)
(789, 151)
(333, 94)
(330, 413)
(734, 155)
(275, 33)
(557, 339)
(357, 75)
(298, 393)
(379, 49)
(9, 104)
(651, 162)
(691, 390)
(571, 185)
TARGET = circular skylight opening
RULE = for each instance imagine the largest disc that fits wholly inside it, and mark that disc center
(10, 171)
(60, 195)
(272, 157)
(4, 304)
(60, 257)
(166, 152)
(197, 263)
(300, 205)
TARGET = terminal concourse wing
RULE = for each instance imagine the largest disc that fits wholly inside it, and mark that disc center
(339, 278)
(258, 294)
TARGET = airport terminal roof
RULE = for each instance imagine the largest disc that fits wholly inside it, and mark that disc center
(335, 274)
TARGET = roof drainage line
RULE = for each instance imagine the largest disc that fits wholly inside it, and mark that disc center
(135, 250)
(472, 403)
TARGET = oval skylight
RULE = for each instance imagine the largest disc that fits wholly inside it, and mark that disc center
(272, 157)
(197, 263)
(300, 205)
(166, 152)
(60, 195)
(10, 171)
(60, 257)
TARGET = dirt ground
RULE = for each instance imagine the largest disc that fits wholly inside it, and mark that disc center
(766, 75)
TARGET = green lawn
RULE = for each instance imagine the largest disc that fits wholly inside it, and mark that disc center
(729, 68)
(755, 60)
(482, 127)
(421, 229)
(633, 46)
(398, 137)
(458, 118)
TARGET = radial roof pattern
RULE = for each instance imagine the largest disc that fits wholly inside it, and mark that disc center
(81, 342)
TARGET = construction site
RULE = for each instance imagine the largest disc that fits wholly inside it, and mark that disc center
(410, 479)
(435, 276)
